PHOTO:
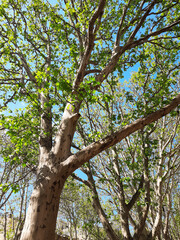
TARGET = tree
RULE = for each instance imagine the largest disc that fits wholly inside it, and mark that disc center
(137, 175)
(15, 181)
(78, 213)
(55, 59)
(120, 174)
(14, 173)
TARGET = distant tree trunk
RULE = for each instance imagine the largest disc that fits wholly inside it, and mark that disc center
(5, 222)
(99, 210)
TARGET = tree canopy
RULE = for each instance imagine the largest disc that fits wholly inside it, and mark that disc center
(68, 68)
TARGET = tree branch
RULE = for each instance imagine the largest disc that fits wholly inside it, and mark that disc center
(121, 23)
(92, 71)
(142, 21)
(136, 195)
(76, 160)
(153, 34)
(90, 44)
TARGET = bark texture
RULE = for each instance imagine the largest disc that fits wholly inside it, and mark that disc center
(42, 212)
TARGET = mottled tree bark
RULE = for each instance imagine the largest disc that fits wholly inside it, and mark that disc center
(42, 212)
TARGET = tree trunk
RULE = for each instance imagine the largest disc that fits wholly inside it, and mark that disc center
(42, 212)
(103, 218)
(57, 164)
(5, 221)
(99, 210)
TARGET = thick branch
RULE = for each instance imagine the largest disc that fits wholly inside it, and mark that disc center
(90, 44)
(45, 139)
(145, 209)
(97, 205)
(25, 65)
(95, 148)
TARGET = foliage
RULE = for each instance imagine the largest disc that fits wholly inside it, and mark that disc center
(65, 66)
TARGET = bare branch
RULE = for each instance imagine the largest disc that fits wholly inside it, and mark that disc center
(81, 180)
(77, 29)
(153, 34)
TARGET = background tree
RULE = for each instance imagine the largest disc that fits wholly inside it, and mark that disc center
(77, 211)
(55, 59)
(120, 172)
